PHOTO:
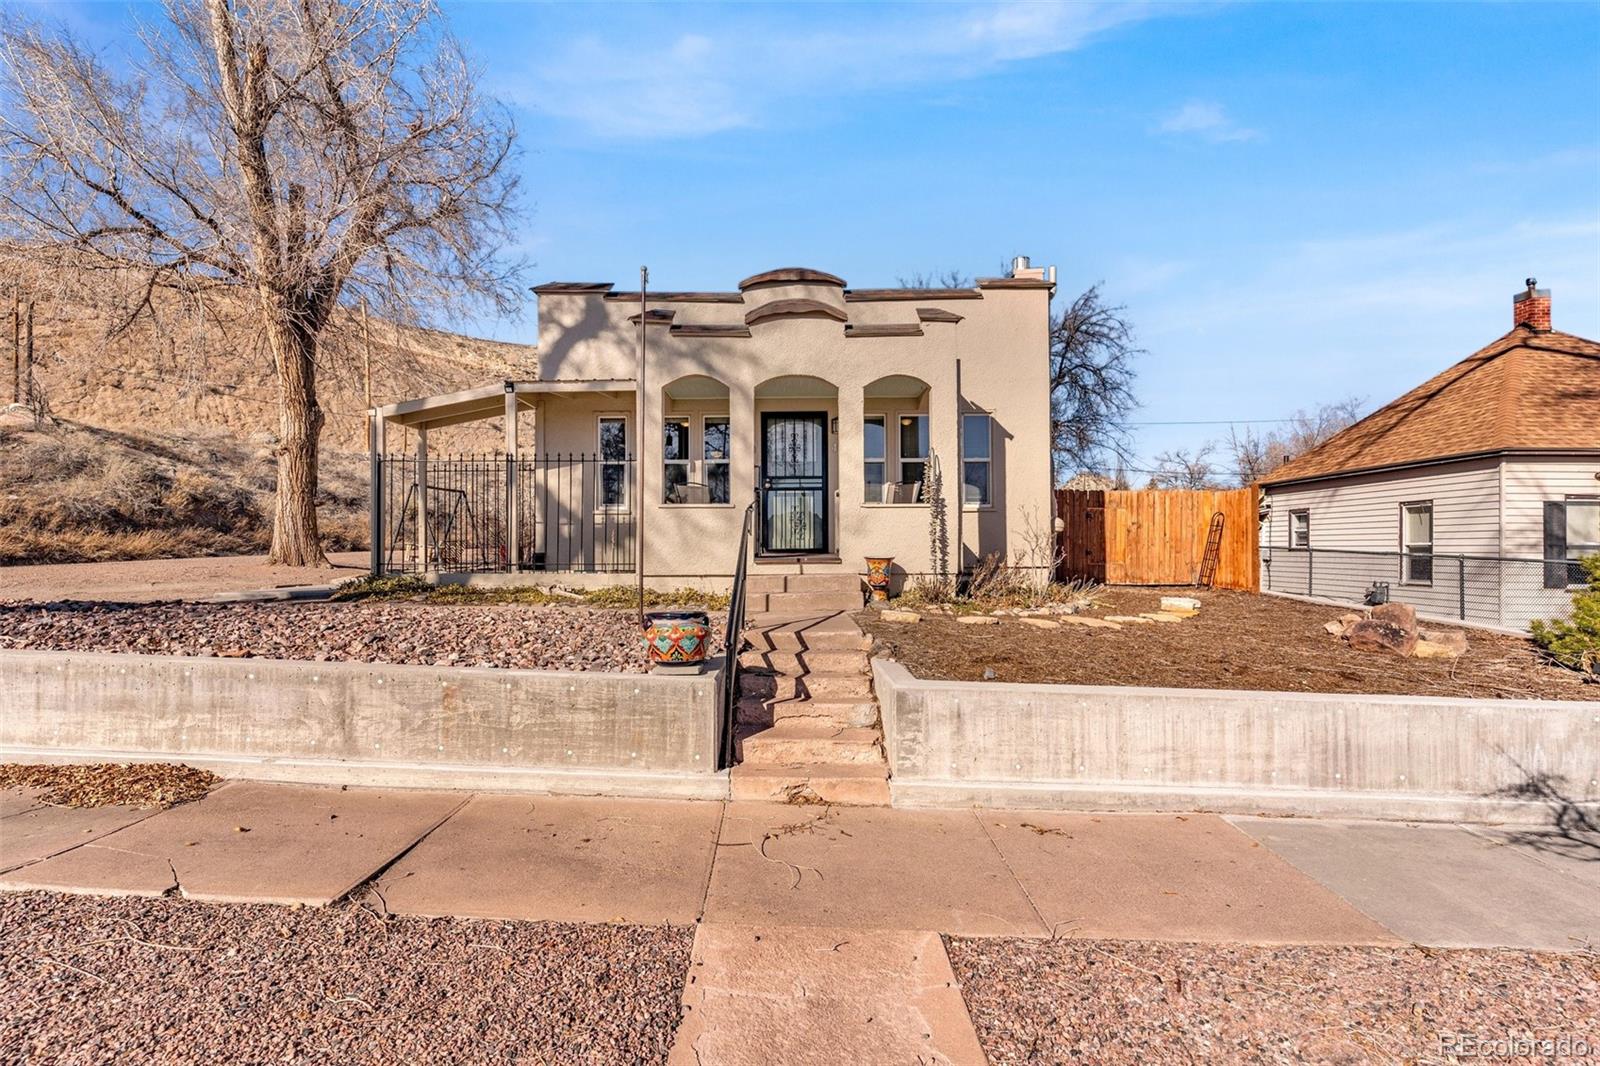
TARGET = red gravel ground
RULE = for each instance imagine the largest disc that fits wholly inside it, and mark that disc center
(1113, 1002)
(97, 981)
(501, 635)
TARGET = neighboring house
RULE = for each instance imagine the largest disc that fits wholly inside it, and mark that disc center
(1468, 496)
(830, 408)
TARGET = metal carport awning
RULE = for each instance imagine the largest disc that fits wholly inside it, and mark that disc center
(487, 401)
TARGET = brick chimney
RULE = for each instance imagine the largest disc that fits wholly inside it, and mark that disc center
(1531, 307)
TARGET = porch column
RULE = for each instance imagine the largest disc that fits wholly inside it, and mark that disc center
(513, 504)
(744, 443)
(422, 499)
(376, 518)
(849, 519)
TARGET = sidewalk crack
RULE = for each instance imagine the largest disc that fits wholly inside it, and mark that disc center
(1033, 906)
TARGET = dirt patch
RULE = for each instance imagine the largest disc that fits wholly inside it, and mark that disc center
(1109, 1002)
(506, 636)
(87, 980)
(146, 784)
(1237, 641)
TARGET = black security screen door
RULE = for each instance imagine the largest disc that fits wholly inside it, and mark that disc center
(794, 483)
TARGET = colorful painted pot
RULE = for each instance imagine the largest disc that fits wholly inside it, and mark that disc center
(676, 641)
(878, 577)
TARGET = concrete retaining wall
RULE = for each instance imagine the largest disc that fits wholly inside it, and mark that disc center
(1082, 747)
(419, 726)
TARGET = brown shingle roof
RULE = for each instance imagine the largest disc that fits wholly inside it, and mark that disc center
(1530, 390)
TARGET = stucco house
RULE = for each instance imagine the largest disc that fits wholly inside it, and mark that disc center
(844, 415)
(1468, 497)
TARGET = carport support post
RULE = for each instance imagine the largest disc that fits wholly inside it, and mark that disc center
(513, 508)
(422, 499)
(375, 513)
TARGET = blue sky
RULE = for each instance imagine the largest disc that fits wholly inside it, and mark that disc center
(1295, 202)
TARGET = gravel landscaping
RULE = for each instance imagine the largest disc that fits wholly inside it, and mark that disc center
(1111, 1002)
(508, 636)
(1238, 640)
(90, 981)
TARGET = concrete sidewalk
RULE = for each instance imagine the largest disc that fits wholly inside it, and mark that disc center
(144, 580)
(796, 903)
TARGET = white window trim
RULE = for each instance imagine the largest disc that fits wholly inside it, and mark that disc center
(626, 506)
(988, 416)
(1292, 516)
(687, 421)
(1406, 549)
(707, 463)
(900, 460)
(882, 459)
(1592, 501)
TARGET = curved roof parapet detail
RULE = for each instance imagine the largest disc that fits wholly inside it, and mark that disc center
(862, 295)
(937, 314)
(884, 329)
(573, 287)
(782, 308)
(791, 276)
(1015, 283)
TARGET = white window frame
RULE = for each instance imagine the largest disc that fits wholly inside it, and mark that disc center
(1297, 513)
(987, 503)
(1587, 548)
(1408, 550)
(707, 462)
(881, 459)
(688, 449)
(626, 506)
(900, 459)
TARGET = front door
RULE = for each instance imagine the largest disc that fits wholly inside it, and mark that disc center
(794, 483)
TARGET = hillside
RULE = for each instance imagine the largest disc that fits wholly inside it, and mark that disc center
(158, 444)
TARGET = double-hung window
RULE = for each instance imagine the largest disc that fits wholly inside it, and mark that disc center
(874, 456)
(1416, 543)
(1571, 531)
(716, 451)
(1299, 530)
(613, 462)
(975, 460)
(675, 460)
(913, 455)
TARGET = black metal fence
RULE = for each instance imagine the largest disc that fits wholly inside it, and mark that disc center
(1488, 590)
(493, 514)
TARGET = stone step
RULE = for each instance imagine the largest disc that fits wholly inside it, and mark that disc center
(828, 630)
(764, 583)
(796, 663)
(755, 602)
(799, 742)
(843, 711)
(842, 783)
(835, 686)
(843, 582)
(768, 686)
(804, 602)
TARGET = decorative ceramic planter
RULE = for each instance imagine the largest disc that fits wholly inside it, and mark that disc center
(878, 577)
(676, 641)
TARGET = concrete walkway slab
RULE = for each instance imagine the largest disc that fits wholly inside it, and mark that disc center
(1168, 877)
(562, 858)
(33, 833)
(144, 580)
(820, 997)
(19, 800)
(858, 867)
(250, 842)
(1573, 851)
(1439, 885)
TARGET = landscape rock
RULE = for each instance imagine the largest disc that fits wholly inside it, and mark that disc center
(1164, 616)
(1041, 623)
(1123, 618)
(1440, 644)
(1180, 603)
(899, 616)
(1334, 628)
(1398, 614)
(978, 620)
(1375, 634)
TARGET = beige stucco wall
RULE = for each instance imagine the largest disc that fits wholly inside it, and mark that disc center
(1001, 342)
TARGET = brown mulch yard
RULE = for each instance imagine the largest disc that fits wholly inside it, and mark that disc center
(85, 980)
(1237, 641)
(500, 635)
(145, 784)
(1112, 1002)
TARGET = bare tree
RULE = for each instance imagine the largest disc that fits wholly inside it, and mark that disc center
(1256, 455)
(944, 279)
(296, 155)
(1092, 352)
(1181, 469)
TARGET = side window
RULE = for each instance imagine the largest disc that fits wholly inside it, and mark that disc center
(913, 455)
(1416, 542)
(1300, 529)
(716, 449)
(613, 441)
(975, 460)
(675, 460)
(1572, 531)
(874, 457)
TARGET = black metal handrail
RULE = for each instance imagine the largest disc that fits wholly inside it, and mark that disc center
(733, 641)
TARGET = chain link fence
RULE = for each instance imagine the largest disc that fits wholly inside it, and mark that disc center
(1486, 590)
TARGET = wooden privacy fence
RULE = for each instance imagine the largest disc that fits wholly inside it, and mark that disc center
(1157, 536)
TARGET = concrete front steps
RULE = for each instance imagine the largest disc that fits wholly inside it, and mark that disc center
(808, 729)
(802, 594)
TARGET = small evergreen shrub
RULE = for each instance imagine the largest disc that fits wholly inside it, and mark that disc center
(1576, 642)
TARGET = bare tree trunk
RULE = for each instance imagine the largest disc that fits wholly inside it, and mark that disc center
(295, 537)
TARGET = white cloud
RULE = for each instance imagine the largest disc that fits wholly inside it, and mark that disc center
(1208, 120)
(668, 76)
